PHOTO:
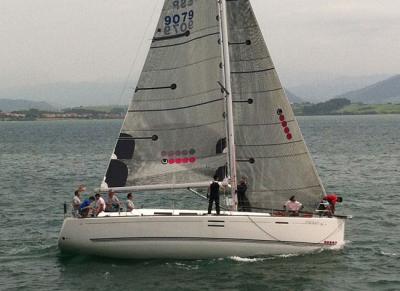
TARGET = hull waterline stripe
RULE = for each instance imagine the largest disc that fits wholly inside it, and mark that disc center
(203, 239)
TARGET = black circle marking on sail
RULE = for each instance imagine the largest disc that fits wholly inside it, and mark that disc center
(117, 174)
(172, 86)
(221, 173)
(249, 101)
(247, 42)
(125, 147)
(249, 160)
(279, 111)
(154, 138)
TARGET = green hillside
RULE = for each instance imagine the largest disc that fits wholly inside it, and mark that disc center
(342, 106)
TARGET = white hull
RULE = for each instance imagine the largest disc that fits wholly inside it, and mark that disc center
(146, 234)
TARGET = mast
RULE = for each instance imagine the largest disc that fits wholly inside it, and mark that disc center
(229, 106)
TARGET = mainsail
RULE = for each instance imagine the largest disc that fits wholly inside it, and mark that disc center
(174, 131)
(270, 148)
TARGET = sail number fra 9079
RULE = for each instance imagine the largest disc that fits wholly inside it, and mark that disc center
(178, 23)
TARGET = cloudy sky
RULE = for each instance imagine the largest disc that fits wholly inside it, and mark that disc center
(47, 41)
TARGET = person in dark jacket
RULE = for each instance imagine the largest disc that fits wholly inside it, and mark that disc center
(213, 195)
(243, 202)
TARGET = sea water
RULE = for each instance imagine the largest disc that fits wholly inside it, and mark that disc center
(42, 162)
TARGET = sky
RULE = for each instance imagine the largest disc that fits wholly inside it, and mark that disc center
(50, 41)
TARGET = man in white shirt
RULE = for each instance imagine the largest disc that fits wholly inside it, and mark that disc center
(76, 201)
(293, 206)
(112, 203)
(100, 204)
(129, 203)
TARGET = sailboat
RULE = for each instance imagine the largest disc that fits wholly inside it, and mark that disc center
(209, 102)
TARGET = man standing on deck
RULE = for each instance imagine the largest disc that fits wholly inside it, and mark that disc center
(213, 195)
(76, 201)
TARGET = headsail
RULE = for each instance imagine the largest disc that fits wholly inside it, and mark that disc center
(174, 131)
(270, 148)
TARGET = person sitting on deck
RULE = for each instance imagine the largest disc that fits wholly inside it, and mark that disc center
(293, 206)
(100, 204)
(129, 203)
(86, 207)
(112, 203)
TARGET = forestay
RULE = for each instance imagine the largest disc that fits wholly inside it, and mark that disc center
(174, 131)
(270, 149)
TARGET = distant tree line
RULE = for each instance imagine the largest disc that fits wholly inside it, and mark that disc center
(327, 107)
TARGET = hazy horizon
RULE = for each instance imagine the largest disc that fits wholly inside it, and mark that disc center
(70, 41)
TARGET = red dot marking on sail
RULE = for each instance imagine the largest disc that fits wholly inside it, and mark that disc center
(284, 123)
(171, 161)
(282, 117)
(178, 161)
(185, 160)
(192, 160)
(287, 130)
(289, 136)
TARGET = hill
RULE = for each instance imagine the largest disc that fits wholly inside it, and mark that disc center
(387, 91)
(8, 105)
(326, 87)
(292, 97)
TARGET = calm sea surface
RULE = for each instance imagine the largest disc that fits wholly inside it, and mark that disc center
(41, 163)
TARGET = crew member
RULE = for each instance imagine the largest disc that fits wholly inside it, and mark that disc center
(293, 206)
(213, 195)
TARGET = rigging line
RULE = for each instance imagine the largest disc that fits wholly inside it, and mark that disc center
(260, 228)
(177, 108)
(141, 44)
(340, 225)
